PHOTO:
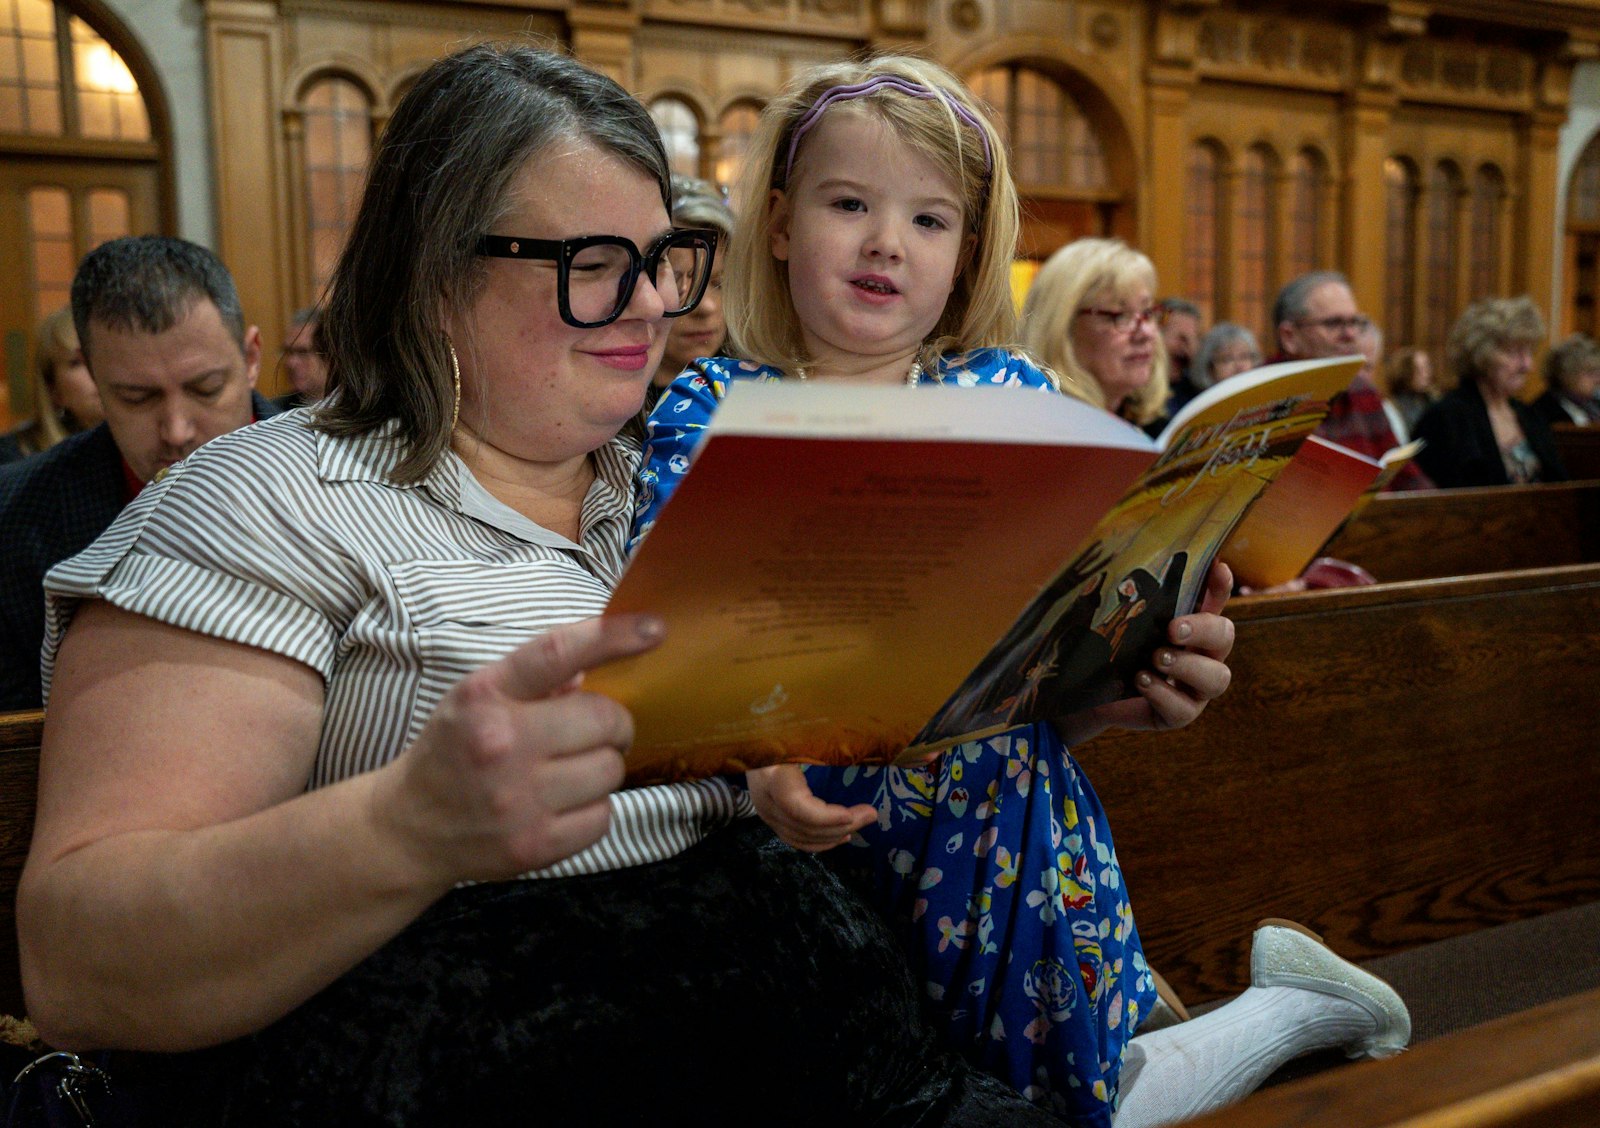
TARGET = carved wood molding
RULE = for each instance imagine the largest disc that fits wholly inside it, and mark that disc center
(856, 19)
(1466, 73)
(1267, 47)
(468, 19)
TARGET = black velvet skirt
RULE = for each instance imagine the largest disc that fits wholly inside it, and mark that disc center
(739, 983)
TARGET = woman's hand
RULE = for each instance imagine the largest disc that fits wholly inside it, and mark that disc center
(1187, 677)
(784, 801)
(514, 769)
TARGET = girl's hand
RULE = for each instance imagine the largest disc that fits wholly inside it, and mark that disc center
(784, 801)
(1187, 677)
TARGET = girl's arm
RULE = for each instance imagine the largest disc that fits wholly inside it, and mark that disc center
(672, 433)
(182, 887)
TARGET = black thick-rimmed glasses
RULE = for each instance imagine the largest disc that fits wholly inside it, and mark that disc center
(596, 274)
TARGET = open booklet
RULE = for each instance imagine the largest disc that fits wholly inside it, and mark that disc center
(838, 564)
(1323, 486)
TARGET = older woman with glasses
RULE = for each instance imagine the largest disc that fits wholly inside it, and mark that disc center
(1091, 318)
(311, 795)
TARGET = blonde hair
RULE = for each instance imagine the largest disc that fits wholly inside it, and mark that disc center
(1488, 325)
(54, 339)
(762, 323)
(1071, 276)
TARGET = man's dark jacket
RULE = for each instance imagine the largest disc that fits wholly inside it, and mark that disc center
(52, 506)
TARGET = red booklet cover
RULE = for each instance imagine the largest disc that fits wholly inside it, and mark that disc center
(843, 562)
(1323, 486)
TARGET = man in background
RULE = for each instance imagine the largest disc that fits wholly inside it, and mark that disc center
(159, 323)
(1316, 316)
(303, 363)
(1180, 333)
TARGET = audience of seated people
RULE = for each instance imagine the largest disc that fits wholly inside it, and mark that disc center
(175, 364)
(175, 381)
(335, 751)
(1479, 433)
(303, 362)
(1572, 382)
(1408, 388)
(64, 396)
(1315, 315)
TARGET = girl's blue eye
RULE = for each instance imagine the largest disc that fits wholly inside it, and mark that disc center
(932, 221)
(849, 203)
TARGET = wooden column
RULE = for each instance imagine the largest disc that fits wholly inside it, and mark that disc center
(244, 47)
(1533, 233)
(1169, 85)
(1363, 208)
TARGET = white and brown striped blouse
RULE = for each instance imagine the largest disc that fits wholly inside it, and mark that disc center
(279, 537)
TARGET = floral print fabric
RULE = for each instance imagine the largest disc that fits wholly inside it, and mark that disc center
(994, 864)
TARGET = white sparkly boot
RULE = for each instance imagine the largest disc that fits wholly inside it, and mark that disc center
(1302, 998)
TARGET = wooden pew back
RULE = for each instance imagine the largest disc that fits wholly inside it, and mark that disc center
(1579, 448)
(1536, 1069)
(1394, 765)
(19, 781)
(1429, 534)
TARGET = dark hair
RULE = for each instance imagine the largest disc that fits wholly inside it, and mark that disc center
(1400, 373)
(439, 179)
(149, 283)
(1169, 306)
(311, 318)
(1293, 300)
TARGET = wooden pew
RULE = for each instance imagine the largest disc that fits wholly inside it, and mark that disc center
(1394, 765)
(19, 780)
(1536, 1069)
(1579, 448)
(1428, 534)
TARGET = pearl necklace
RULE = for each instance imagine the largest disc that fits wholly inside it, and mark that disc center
(913, 378)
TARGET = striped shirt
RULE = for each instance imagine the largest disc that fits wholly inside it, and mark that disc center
(282, 538)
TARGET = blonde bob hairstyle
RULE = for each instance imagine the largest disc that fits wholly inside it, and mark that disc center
(762, 323)
(1486, 326)
(1079, 273)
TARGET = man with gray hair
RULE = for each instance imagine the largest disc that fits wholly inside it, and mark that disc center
(1316, 316)
(163, 336)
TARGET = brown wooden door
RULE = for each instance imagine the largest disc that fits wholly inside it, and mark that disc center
(53, 211)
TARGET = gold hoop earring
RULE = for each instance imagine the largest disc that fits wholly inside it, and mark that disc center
(455, 376)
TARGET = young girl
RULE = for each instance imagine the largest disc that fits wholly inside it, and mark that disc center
(877, 221)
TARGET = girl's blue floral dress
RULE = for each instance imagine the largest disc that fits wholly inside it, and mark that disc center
(994, 863)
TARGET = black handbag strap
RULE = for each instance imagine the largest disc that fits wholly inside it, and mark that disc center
(60, 1090)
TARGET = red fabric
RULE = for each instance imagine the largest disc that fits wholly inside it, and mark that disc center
(1356, 420)
(132, 484)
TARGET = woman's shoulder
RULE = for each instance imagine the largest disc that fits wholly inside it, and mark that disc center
(275, 457)
(1451, 409)
(995, 367)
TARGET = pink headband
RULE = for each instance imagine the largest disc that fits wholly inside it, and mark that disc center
(861, 90)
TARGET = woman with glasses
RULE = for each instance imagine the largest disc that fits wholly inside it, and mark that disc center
(703, 330)
(1090, 316)
(311, 796)
(1479, 433)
